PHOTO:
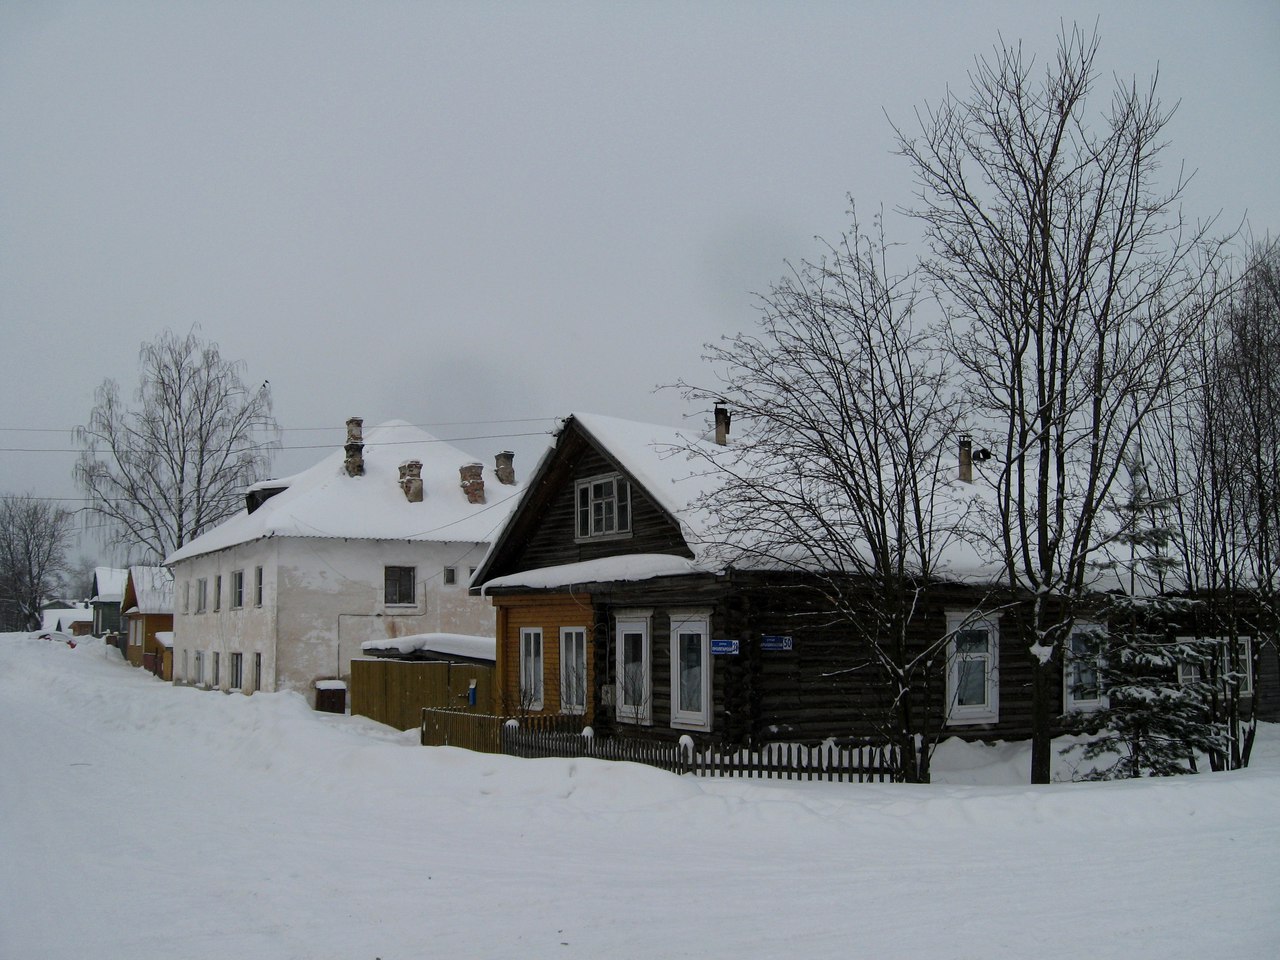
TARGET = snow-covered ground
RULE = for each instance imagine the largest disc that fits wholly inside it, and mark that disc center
(140, 821)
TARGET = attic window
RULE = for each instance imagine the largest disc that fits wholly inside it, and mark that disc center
(604, 507)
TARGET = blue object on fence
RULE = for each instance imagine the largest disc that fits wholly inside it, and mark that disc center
(771, 642)
(471, 693)
(723, 647)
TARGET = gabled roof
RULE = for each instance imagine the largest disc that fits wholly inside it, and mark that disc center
(662, 461)
(62, 619)
(676, 468)
(149, 590)
(324, 502)
(108, 584)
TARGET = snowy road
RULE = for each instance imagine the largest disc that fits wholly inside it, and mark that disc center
(146, 821)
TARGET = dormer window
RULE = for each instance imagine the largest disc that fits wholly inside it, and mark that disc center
(604, 507)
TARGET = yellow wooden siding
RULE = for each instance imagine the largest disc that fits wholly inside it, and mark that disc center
(549, 613)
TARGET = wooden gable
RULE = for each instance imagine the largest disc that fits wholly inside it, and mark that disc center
(543, 531)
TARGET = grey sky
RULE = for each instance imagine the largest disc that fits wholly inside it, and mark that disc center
(460, 211)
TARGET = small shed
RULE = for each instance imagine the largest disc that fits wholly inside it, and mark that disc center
(399, 676)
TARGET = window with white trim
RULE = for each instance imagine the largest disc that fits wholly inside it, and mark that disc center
(202, 594)
(634, 698)
(450, 576)
(973, 669)
(216, 680)
(186, 596)
(198, 676)
(691, 669)
(237, 670)
(237, 589)
(531, 668)
(257, 586)
(603, 507)
(217, 593)
(573, 670)
(257, 670)
(1082, 673)
(1234, 662)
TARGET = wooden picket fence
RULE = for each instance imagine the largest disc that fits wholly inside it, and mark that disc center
(560, 736)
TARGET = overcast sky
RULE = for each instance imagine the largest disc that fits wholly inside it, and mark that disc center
(446, 212)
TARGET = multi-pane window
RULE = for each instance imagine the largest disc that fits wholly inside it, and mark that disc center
(257, 670)
(186, 596)
(450, 576)
(399, 585)
(217, 669)
(530, 668)
(237, 670)
(257, 586)
(198, 676)
(973, 686)
(237, 589)
(635, 685)
(573, 670)
(217, 593)
(604, 507)
(690, 670)
(1234, 666)
(1083, 661)
(202, 595)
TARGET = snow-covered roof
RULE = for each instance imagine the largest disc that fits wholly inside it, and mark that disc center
(678, 468)
(62, 619)
(152, 589)
(108, 584)
(165, 638)
(324, 501)
(456, 644)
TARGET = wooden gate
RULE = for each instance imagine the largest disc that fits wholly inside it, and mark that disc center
(395, 691)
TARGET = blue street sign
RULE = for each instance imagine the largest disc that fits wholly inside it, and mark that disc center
(724, 646)
(771, 642)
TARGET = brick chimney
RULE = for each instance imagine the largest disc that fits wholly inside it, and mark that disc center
(473, 482)
(411, 480)
(504, 468)
(355, 447)
(723, 418)
(966, 458)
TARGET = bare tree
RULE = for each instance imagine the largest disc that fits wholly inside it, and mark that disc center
(844, 423)
(1068, 277)
(163, 471)
(34, 538)
(1217, 446)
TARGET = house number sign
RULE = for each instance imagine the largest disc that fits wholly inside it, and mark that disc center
(772, 642)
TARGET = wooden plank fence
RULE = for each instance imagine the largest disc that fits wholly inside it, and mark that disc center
(559, 736)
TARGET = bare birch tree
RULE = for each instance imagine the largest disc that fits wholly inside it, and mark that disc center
(176, 463)
(34, 538)
(840, 466)
(1068, 275)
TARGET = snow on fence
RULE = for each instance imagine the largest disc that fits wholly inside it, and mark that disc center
(565, 737)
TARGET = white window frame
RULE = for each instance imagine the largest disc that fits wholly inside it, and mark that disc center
(215, 676)
(186, 596)
(691, 622)
(217, 593)
(532, 660)
(602, 524)
(450, 576)
(257, 586)
(237, 589)
(634, 622)
(1072, 704)
(198, 678)
(202, 594)
(573, 660)
(235, 675)
(988, 711)
(257, 669)
(1190, 672)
